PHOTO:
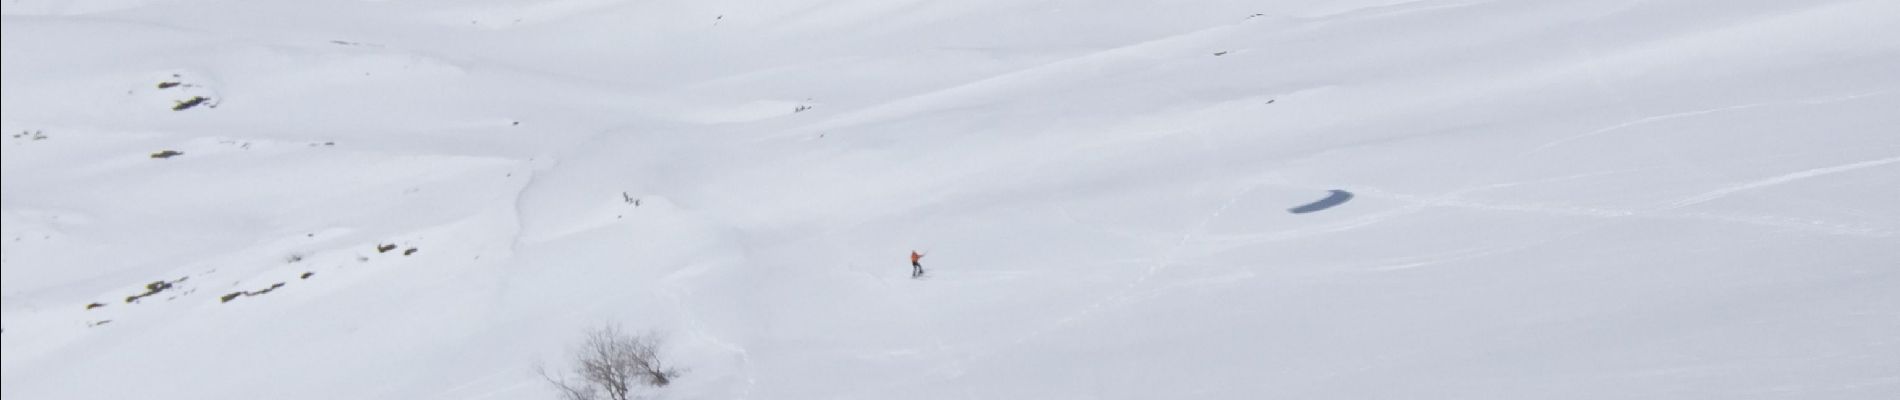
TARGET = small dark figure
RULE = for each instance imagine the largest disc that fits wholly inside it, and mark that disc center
(916, 268)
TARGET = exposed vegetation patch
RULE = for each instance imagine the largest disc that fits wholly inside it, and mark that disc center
(234, 295)
(167, 154)
(178, 81)
(154, 288)
(612, 365)
(187, 104)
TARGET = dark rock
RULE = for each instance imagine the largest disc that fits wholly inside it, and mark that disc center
(194, 101)
(234, 295)
(153, 288)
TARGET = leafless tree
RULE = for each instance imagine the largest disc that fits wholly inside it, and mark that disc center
(612, 363)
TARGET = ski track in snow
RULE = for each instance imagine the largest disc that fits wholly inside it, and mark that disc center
(1695, 113)
(1456, 256)
(1003, 83)
(520, 214)
(1783, 223)
(1397, 8)
(673, 290)
(1778, 180)
(1648, 120)
(1172, 257)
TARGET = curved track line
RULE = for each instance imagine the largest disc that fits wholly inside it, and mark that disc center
(1724, 192)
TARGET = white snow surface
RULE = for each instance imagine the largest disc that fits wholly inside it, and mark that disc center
(1617, 199)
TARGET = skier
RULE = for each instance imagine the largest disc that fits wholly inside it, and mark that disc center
(916, 268)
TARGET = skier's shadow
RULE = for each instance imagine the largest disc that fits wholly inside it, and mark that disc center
(1336, 198)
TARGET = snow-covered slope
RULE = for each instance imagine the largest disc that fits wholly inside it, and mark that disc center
(1550, 199)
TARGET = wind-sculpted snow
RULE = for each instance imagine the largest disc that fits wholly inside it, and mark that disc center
(1298, 199)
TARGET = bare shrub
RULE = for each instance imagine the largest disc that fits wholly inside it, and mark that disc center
(611, 363)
